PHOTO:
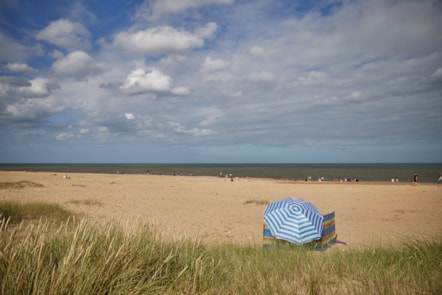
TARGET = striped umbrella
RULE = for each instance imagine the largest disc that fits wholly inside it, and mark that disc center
(294, 220)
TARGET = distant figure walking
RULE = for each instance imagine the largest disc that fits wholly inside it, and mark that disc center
(415, 177)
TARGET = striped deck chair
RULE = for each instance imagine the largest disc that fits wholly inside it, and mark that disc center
(328, 237)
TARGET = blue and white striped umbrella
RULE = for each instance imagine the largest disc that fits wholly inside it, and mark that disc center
(294, 220)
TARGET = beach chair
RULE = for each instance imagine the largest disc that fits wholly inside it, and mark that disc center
(328, 237)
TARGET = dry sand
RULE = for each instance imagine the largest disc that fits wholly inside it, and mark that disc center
(219, 211)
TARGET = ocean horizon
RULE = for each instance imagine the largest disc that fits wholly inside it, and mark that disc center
(384, 172)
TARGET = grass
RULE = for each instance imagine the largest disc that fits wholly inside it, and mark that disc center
(85, 257)
(15, 212)
(256, 202)
(19, 184)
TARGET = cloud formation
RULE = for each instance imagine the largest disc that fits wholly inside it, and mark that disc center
(76, 64)
(194, 80)
(158, 40)
(19, 67)
(211, 65)
(66, 34)
(155, 9)
(139, 81)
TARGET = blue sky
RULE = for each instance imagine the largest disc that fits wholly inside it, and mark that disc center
(220, 81)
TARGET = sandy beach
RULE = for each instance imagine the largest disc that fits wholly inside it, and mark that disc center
(218, 211)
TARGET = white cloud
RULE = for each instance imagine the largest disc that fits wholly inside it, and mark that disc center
(103, 132)
(154, 10)
(140, 81)
(180, 91)
(380, 28)
(56, 54)
(66, 34)
(84, 131)
(129, 116)
(19, 67)
(11, 88)
(65, 135)
(172, 61)
(77, 64)
(40, 87)
(211, 64)
(33, 108)
(207, 31)
(163, 39)
(177, 127)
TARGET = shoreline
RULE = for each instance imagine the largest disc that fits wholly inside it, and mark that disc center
(281, 180)
(429, 173)
(218, 211)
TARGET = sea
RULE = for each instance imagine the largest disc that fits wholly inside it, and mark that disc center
(428, 173)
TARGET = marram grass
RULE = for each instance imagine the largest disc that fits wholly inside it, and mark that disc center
(16, 212)
(86, 257)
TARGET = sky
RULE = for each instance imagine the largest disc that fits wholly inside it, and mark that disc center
(220, 81)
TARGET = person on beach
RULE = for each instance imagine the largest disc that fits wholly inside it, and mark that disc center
(440, 177)
(415, 177)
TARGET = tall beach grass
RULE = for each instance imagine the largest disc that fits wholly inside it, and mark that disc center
(80, 256)
(15, 212)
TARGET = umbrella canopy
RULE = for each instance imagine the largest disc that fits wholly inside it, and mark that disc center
(294, 220)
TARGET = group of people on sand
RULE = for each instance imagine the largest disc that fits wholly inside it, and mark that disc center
(393, 180)
(322, 178)
(416, 178)
(228, 176)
